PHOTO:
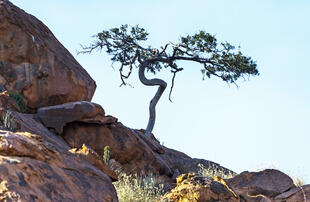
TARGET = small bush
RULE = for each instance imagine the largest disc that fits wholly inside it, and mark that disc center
(19, 98)
(106, 155)
(214, 171)
(137, 189)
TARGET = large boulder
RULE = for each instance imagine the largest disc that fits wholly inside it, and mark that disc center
(56, 117)
(36, 165)
(267, 184)
(128, 147)
(132, 151)
(35, 64)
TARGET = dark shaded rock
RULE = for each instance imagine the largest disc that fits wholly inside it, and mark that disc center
(269, 183)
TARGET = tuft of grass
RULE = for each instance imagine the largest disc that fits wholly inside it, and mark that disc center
(214, 171)
(298, 181)
(8, 122)
(131, 188)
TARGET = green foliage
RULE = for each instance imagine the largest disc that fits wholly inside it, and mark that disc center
(136, 189)
(217, 59)
(213, 171)
(19, 98)
(106, 155)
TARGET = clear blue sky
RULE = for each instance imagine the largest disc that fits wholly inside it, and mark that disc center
(263, 124)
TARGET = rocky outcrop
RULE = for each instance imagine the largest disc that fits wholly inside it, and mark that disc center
(126, 145)
(36, 165)
(199, 189)
(269, 183)
(56, 117)
(264, 186)
(34, 63)
(93, 158)
(7, 102)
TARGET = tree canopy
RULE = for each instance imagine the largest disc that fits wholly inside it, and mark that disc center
(124, 45)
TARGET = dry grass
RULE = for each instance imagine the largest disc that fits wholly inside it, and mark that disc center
(213, 171)
(136, 189)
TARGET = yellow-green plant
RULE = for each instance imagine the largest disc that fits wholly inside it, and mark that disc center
(213, 171)
(131, 188)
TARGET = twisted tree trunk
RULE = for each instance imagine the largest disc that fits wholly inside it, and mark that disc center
(151, 82)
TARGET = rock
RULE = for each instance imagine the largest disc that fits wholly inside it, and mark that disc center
(268, 183)
(199, 189)
(36, 165)
(127, 146)
(301, 194)
(35, 64)
(56, 117)
(93, 158)
(8, 102)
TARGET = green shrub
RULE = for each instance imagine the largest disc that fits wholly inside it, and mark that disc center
(137, 189)
(106, 155)
(19, 98)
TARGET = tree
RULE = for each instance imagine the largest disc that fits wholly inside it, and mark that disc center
(221, 60)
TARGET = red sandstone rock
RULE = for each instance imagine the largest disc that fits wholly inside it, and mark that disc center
(265, 184)
(126, 145)
(58, 116)
(35, 64)
(93, 158)
(199, 189)
(36, 165)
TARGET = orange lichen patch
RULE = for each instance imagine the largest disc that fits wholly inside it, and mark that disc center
(256, 196)
(4, 93)
(3, 187)
(220, 180)
(29, 135)
(183, 177)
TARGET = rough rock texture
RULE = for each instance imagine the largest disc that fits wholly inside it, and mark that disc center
(93, 158)
(132, 149)
(269, 183)
(126, 145)
(303, 195)
(36, 165)
(34, 63)
(199, 189)
(58, 116)
(6, 102)
(246, 187)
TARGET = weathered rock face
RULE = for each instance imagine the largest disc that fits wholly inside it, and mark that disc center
(133, 152)
(56, 117)
(269, 183)
(34, 63)
(265, 186)
(126, 145)
(199, 189)
(36, 165)
(6, 102)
